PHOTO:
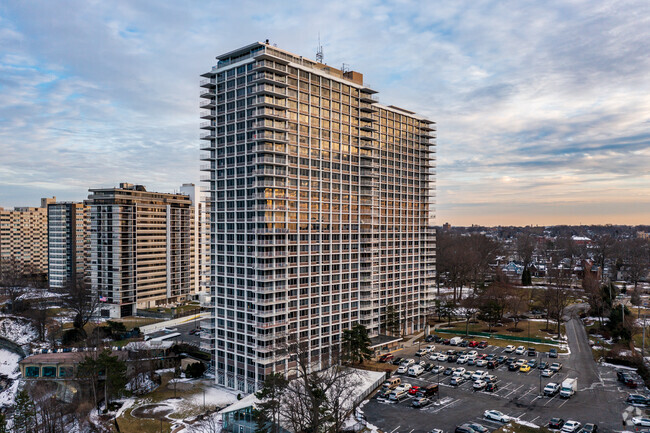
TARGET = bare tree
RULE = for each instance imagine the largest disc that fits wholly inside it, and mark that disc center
(470, 307)
(12, 280)
(209, 424)
(79, 297)
(517, 303)
(604, 246)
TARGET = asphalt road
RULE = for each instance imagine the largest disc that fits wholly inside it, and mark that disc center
(600, 398)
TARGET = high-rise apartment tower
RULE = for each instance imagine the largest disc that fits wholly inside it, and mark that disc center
(142, 248)
(68, 235)
(321, 208)
(23, 238)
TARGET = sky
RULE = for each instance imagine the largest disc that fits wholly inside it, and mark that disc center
(542, 108)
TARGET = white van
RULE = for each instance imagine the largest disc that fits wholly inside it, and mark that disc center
(455, 341)
(416, 370)
(398, 395)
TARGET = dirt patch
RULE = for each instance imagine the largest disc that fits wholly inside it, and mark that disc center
(153, 411)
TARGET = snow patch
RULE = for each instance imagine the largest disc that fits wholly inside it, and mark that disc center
(17, 329)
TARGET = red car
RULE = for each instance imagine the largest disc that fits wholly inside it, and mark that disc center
(385, 358)
(414, 390)
(473, 343)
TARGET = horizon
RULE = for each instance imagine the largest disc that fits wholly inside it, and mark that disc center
(535, 126)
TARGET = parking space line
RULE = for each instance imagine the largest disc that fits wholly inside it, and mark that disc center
(395, 429)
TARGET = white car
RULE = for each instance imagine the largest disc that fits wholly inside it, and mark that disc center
(472, 354)
(458, 372)
(509, 348)
(491, 378)
(640, 421)
(442, 357)
(430, 348)
(479, 375)
(402, 369)
(479, 384)
(495, 415)
(520, 350)
(571, 426)
(462, 359)
(547, 372)
(403, 387)
(408, 362)
(551, 389)
(481, 362)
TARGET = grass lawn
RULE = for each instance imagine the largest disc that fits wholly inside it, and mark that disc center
(132, 322)
(189, 393)
(536, 328)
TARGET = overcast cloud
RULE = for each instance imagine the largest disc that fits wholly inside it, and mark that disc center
(542, 107)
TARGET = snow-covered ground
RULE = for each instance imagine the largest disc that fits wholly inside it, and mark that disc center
(9, 368)
(17, 329)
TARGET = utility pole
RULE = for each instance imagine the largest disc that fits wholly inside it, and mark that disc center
(643, 344)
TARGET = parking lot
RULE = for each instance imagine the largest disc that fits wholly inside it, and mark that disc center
(600, 398)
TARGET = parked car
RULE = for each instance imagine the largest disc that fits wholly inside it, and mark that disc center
(421, 402)
(457, 380)
(464, 428)
(641, 421)
(408, 362)
(452, 358)
(543, 365)
(479, 375)
(524, 368)
(492, 364)
(637, 400)
(481, 363)
(385, 358)
(428, 390)
(463, 343)
(513, 366)
(402, 369)
(479, 428)
(448, 371)
(459, 371)
(552, 353)
(509, 348)
(491, 378)
(589, 428)
(551, 389)
(520, 350)
(547, 373)
(462, 359)
(496, 415)
(532, 351)
(429, 338)
(532, 363)
(556, 366)
(556, 423)
(473, 343)
(571, 426)
(414, 390)
(482, 345)
(397, 361)
(468, 375)
(437, 369)
(404, 387)
(479, 384)
(443, 358)
(491, 387)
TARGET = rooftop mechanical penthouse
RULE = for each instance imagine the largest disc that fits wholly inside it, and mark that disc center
(321, 206)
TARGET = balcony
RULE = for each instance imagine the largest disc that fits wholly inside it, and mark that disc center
(207, 103)
(209, 83)
(206, 93)
(208, 115)
(364, 106)
(273, 114)
(208, 136)
(272, 67)
(271, 90)
(367, 97)
(207, 125)
(265, 77)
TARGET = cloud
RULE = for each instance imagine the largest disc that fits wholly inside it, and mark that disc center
(551, 97)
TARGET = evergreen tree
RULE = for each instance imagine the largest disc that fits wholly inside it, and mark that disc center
(3, 423)
(24, 413)
(267, 414)
(356, 344)
(526, 277)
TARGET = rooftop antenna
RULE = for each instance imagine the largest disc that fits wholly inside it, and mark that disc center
(319, 51)
(345, 67)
